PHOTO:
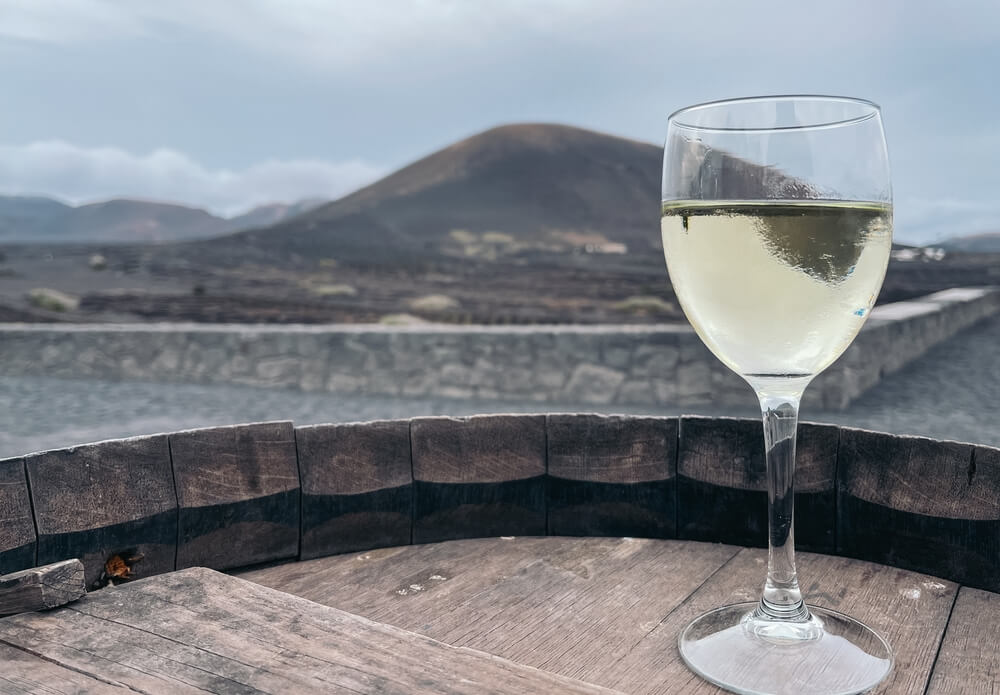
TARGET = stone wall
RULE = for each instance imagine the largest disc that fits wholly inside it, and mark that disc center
(600, 365)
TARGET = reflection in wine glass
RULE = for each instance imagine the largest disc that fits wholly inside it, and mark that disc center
(777, 228)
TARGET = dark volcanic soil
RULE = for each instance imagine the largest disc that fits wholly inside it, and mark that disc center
(171, 284)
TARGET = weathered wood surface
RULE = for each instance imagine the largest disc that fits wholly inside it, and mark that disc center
(23, 672)
(111, 498)
(40, 588)
(969, 660)
(478, 476)
(606, 610)
(926, 505)
(722, 483)
(357, 486)
(910, 610)
(425, 574)
(197, 630)
(17, 529)
(561, 604)
(611, 476)
(238, 495)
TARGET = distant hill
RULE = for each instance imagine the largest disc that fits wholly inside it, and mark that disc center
(505, 191)
(36, 219)
(128, 220)
(22, 216)
(988, 243)
(265, 215)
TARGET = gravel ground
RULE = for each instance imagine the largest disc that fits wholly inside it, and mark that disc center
(953, 392)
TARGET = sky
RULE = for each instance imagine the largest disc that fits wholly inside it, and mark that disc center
(226, 104)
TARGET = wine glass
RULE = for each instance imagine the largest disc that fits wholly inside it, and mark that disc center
(777, 227)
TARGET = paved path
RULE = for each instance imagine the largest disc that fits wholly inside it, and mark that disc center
(953, 392)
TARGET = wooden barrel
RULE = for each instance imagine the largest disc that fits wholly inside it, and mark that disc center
(237, 496)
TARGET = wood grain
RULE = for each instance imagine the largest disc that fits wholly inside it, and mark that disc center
(39, 588)
(921, 504)
(98, 500)
(478, 476)
(722, 483)
(608, 611)
(969, 660)
(478, 449)
(576, 614)
(357, 486)
(197, 630)
(910, 610)
(17, 529)
(430, 576)
(611, 475)
(572, 606)
(238, 495)
(25, 673)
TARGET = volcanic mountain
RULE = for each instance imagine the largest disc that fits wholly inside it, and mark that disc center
(505, 191)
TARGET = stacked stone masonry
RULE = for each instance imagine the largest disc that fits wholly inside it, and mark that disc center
(664, 366)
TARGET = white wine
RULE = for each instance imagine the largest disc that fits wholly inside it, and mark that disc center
(776, 288)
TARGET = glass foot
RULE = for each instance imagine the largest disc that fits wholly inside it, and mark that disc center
(831, 654)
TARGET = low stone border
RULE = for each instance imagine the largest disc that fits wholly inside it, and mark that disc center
(664, 366)
(229, 497)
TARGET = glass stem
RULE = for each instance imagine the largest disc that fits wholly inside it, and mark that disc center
(782, 599)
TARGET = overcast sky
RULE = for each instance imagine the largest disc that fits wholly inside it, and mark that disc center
(229, 103)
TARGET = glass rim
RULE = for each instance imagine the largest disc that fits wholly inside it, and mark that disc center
(873, 111)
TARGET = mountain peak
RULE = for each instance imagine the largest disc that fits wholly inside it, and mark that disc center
(539, 187)
(544, 136)
(507, 154)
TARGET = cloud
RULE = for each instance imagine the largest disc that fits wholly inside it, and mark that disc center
(339, 34)
(61, 21)
(79, 174)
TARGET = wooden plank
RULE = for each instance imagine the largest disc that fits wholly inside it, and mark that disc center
(926, 505)
(96, 501)
(40, 588)
(722, 483)
(430, 576)
(197, 630)
(25, 673)
(611, 476)
(357, 486)
(578, 615)
(969, 660)
(910, 610)
(238, 495)
(478, 476)
(17, 529)
(572, 606)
